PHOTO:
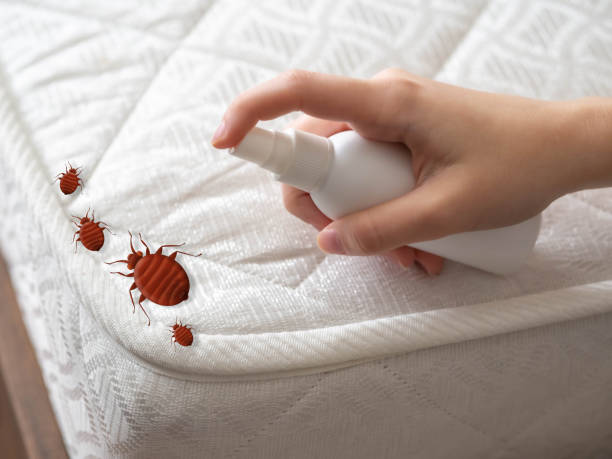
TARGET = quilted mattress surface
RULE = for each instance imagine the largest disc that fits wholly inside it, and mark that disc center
(132, 92)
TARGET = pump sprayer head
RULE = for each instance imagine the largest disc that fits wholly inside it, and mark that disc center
(297, 158)
(263, 147)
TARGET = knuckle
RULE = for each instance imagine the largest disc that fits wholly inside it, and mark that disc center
(295, 78)
(296, 81)
(402, 91)
(392, 72)
(397, 98)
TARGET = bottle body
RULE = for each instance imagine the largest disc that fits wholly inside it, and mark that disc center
(347, 173)
(365, 173)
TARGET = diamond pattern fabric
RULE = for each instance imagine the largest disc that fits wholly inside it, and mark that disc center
(296, 354)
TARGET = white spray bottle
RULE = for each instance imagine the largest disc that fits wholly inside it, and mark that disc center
(346, 173)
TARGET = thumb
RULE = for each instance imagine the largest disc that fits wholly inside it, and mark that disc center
(427, 212)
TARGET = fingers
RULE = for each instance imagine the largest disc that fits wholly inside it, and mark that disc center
(431, 264)
(404, 256)
(324, 96)
(300, 204)
(430, 211)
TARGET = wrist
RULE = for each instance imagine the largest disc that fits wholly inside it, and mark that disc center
(585, 131)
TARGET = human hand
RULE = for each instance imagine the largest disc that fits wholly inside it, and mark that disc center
(480, 160)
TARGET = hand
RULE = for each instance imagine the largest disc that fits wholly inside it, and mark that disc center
(300, 204)
(480, 160)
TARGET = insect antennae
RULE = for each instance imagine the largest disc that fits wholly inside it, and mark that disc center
(131, 245)
(145, 244)
(116, 261)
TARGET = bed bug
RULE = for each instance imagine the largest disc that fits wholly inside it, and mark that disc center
(69, 180)
(91, 232)
(160, 278)
(181, 334)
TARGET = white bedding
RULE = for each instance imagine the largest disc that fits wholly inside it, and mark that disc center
(133, 93)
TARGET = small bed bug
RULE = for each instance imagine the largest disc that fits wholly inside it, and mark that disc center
(160, 278)
(69, 180)
(181, 334)
(91, 232)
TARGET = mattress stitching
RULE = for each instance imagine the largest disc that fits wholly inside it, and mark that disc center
(549, 411)
(433, 404)
(145, 91)
(82, 17)
(247, 441)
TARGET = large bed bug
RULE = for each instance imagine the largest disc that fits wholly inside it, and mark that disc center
(160, 278)
(69, 180)
(181, 334)
(91, 232)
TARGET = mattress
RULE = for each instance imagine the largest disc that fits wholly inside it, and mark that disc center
(295, 353)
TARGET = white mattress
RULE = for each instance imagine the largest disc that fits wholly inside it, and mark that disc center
(515, 366)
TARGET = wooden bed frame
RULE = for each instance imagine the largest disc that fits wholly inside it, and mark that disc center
(28, 428)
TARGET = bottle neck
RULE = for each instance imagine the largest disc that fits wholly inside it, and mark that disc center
(297, 158)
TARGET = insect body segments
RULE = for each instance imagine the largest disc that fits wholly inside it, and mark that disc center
(69, 180)
(160, 278)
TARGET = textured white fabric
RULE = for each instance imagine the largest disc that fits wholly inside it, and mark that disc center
(133, 95)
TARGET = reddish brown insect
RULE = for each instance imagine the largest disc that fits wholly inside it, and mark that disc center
(91, 232)
(160, 278)
(69, 180)
(181, 334)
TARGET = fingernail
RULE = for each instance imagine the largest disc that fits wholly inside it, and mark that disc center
(219, 133)
(329, 241)
(406, 263)
(400, 261)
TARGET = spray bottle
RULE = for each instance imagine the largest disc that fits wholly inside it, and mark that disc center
(346, 173)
